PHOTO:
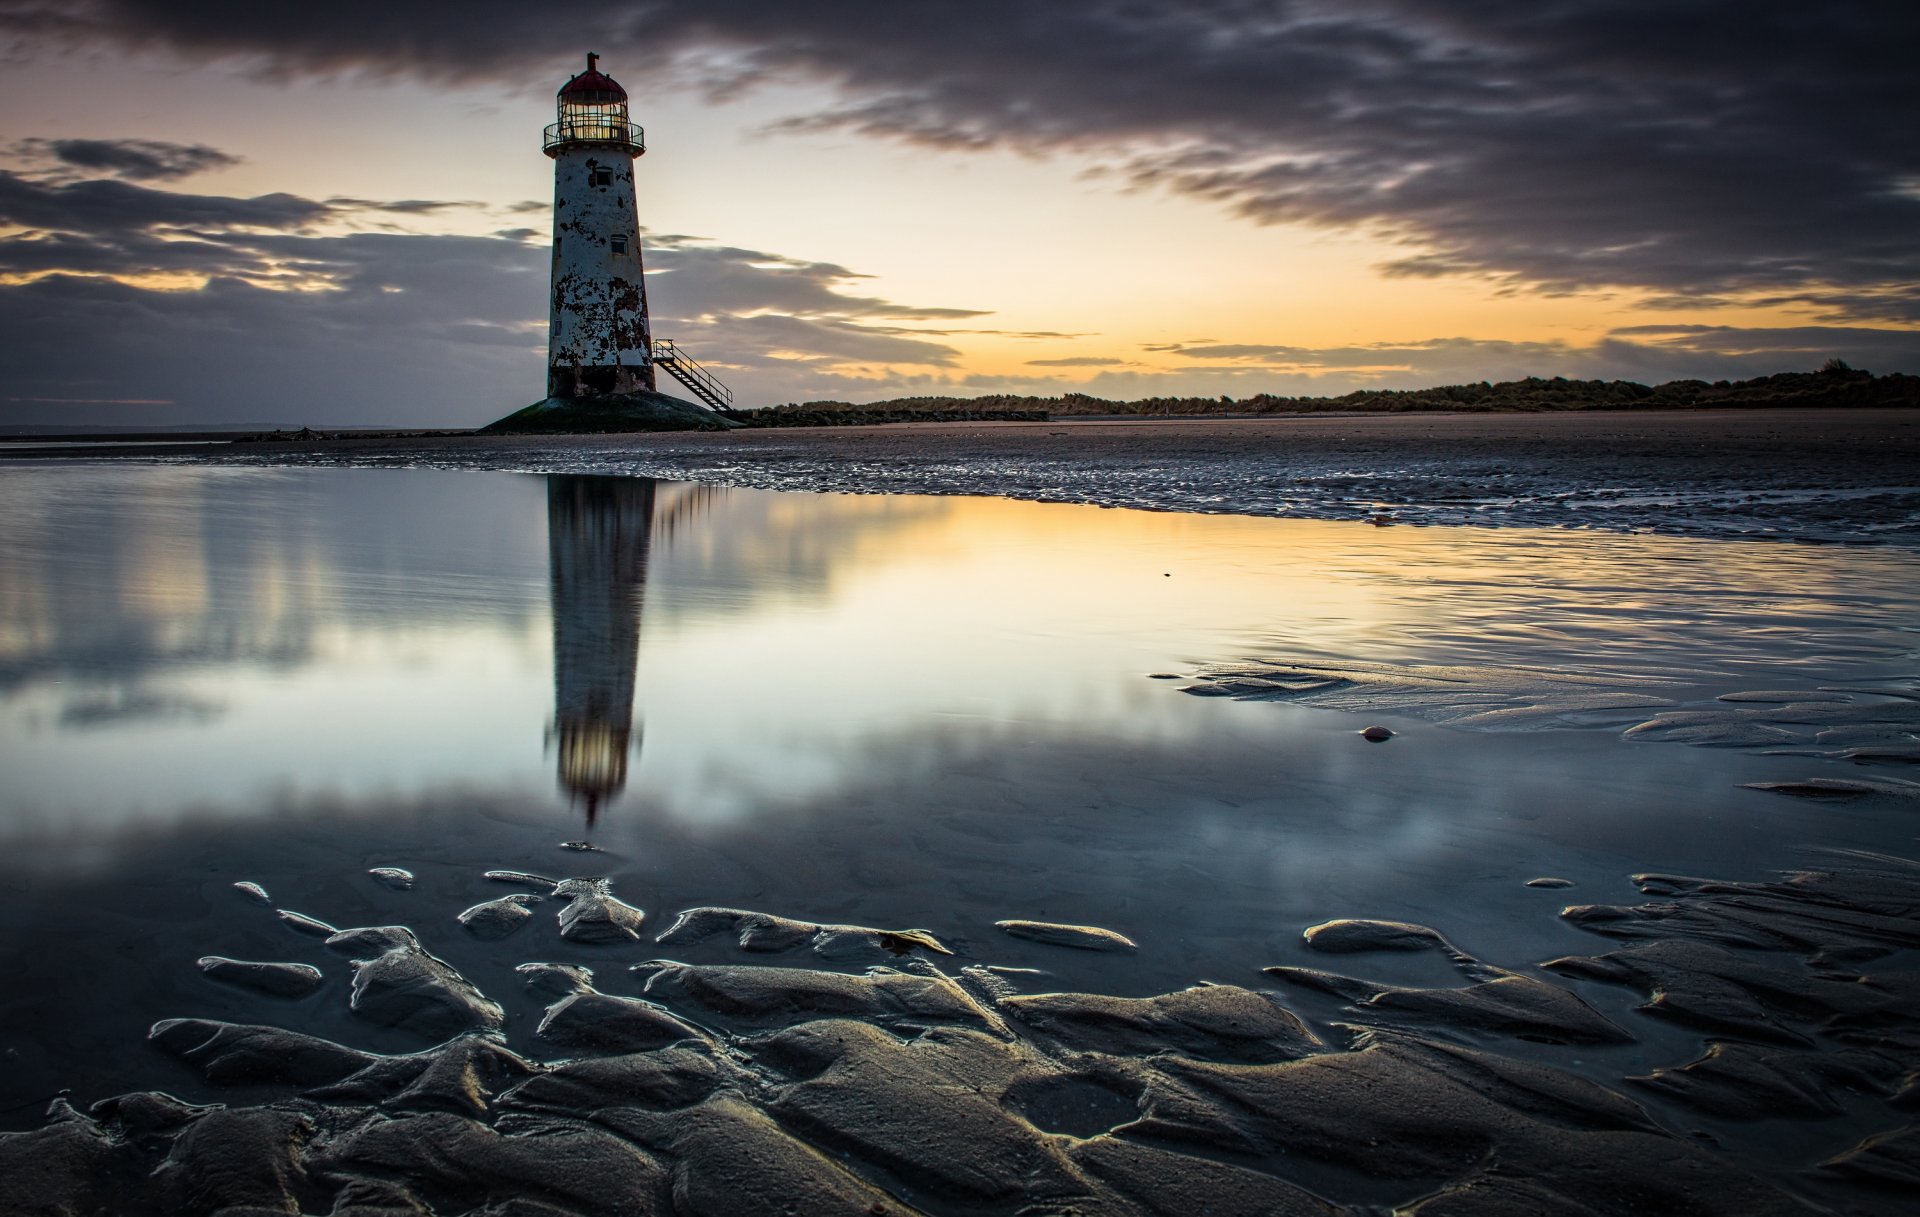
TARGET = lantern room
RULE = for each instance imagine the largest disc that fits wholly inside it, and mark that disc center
(593, 111)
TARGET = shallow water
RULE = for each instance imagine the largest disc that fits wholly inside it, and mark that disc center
(936, 713)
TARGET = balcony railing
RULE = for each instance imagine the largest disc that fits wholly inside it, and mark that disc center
(615, 131)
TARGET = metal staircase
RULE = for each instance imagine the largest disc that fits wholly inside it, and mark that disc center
(699, 382)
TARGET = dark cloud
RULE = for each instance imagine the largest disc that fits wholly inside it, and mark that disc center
(716, 279)
(263, 313)
(1650, 354)
(145, 160)
(1714, 147)
(1734, 352)
(408, 207)
(99, 206)
(1076, 361)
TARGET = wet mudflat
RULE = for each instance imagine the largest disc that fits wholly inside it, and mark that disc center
(1834, 474)
(345, 881)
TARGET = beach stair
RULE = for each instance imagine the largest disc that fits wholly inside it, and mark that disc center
(698, 381)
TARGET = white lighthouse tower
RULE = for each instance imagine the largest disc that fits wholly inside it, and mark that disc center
(599, 343)
(601, 353)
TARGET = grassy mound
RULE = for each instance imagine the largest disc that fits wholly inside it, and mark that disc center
(613, 412)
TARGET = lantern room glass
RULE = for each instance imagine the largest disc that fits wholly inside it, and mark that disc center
(595, 118)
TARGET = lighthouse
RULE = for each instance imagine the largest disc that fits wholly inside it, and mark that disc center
(600, 342)
(601, 352)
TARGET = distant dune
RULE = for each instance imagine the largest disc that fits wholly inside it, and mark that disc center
(1834, 385)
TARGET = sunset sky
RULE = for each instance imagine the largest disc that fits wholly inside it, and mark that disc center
(231, 212)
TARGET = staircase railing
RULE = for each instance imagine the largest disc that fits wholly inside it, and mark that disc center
(700, 382)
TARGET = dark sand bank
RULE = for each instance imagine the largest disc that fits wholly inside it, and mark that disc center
(859, 999)
(828, 1069)
(1828, 474)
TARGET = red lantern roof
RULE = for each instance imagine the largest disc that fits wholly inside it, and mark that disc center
(595, 83)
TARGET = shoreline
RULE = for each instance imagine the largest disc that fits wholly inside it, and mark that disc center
(1845, 475)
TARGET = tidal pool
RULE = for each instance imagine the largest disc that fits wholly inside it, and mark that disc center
(911, 713)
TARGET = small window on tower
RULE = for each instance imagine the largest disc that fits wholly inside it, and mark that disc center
(619, 245)
(600, 177)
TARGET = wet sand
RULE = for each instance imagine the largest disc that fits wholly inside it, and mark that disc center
(837, 1068)
(1833, 475)
(464, 1028)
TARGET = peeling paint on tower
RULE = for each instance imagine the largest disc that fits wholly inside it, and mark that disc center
(599, 341)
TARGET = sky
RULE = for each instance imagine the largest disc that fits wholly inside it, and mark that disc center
(235, 213)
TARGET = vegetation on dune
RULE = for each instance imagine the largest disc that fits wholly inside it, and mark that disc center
(1835, 384)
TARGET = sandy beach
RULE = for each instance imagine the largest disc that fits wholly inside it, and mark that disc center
(1839, 474)
(969, 855)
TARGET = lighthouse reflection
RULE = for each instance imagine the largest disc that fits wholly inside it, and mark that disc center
(599, 532)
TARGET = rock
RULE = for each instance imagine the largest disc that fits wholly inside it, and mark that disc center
(255, 892)
(1211, 1022)
(1546, 881)
(1084, 937)
(398, 984)
(394, 877)
(291, 980)
(1377, 734)
(495, 919)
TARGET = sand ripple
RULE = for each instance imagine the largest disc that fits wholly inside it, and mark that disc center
(734, 1088)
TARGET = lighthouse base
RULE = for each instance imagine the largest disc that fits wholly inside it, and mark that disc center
(611, 412)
